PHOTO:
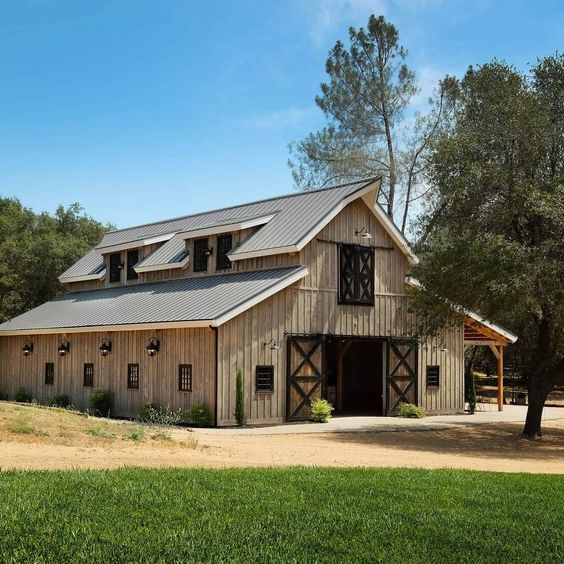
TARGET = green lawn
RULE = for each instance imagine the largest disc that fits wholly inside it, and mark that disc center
(296, 515)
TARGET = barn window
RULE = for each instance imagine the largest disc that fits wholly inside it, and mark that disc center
(356, 280)
(433, 376)
(49, 373)
(88, 381)
(224, 245)
(115, 267)
(264, 381)
(200, 255)
(184, 377)
(132, 260)
(133, 376)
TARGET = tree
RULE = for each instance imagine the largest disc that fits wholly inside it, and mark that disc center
(364, 101)
(36, 248)
(492, 236)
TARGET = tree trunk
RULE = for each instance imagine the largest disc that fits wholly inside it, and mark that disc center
(539, 388)
(393, 168)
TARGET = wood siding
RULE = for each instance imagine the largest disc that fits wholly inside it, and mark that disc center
(158, 374)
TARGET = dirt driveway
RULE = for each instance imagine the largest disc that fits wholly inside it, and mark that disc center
(495, 447)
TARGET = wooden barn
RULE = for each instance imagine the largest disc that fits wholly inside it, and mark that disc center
(305, 294)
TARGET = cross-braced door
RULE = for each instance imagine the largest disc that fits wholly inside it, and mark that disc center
(306, 375)
(402, 374)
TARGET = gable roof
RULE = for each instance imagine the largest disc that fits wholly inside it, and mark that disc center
(287, 223)
(187, 302)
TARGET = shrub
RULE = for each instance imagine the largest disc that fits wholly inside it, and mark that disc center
(163, 416)
(102, 402)
(239, 400)
(199, 415)
(411, 411)
(23, 396)
(61, 400)
(321, 410)
(136, 434)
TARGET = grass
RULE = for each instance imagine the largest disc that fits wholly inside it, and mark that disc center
(280, 515)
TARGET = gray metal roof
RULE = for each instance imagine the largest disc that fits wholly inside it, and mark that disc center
(163, 255)
(206, 298)
(310, 206)
(86, 266)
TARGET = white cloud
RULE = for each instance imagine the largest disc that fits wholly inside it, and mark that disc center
(278, 119)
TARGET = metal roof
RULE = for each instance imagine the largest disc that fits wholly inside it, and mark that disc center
(88, 265)
(186, 302)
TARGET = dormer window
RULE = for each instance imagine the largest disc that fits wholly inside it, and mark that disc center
(132, 260)
(116, 267)
(201, 255)
(224, 246)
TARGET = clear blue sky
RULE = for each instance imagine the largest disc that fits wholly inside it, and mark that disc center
(142, 110)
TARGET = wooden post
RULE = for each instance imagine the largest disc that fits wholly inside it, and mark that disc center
(500, 378)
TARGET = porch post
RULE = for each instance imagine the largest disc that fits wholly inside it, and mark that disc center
(500, 378)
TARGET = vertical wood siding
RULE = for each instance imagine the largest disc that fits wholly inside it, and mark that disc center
(158, 375)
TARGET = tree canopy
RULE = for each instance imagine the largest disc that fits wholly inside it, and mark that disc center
(35, 248)
(492, 236)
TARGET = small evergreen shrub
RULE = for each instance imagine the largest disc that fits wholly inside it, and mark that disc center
(23, 396)
(163, 416)
(199, 415)
(321, 410)
(411, 411)
(239, 400)
(102, 402)
(61, 400)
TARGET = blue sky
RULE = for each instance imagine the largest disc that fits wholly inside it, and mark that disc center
(143, 110)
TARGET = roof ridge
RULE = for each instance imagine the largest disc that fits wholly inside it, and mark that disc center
(271, 199)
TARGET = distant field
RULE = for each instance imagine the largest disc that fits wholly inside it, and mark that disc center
(296, 515)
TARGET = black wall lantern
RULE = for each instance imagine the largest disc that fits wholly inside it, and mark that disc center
(105, 347)
(64, 348)
(209, 251)
(27, 349)
(153, 346)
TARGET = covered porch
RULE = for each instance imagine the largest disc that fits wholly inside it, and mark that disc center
(479, 332)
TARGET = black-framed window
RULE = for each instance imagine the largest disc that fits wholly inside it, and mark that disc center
(49, 373)
(132, 260)
(115, 267)
(200, 255)
(132, 376)
(224, 246)
(184, 377)
(356, 275)
(88, 381)
(433, 376)
(264, 379)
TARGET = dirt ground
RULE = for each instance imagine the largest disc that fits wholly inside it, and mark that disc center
(495, 447)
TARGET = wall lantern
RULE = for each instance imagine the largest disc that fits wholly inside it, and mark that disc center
(105, 347)
(27, 349)
(273, 345)
(64, 348)
(209, 252)
(153, 346)
(363, 234)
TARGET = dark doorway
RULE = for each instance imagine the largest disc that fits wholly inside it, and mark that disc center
(360, 388)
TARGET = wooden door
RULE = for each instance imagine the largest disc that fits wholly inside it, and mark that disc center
(401, 378)
(306, 375)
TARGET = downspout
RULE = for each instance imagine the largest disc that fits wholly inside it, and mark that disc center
(216, 370)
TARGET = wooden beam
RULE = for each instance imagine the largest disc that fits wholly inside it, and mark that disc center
(500, 379)
(341, 352)
(495, 350)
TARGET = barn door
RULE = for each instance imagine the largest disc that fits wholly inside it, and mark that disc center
(306, 375)
(401, 374)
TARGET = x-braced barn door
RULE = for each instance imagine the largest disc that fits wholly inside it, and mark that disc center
(401, 374)
(306, 375)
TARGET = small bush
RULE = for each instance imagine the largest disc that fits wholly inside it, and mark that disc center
(101, 431)
(239, 400)
(61, 400)
(199, 415)
(136, 434)
(23, 396)
(321, 410)
(163, 416)
(102, 402)
(162, 436)
(411, 411)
